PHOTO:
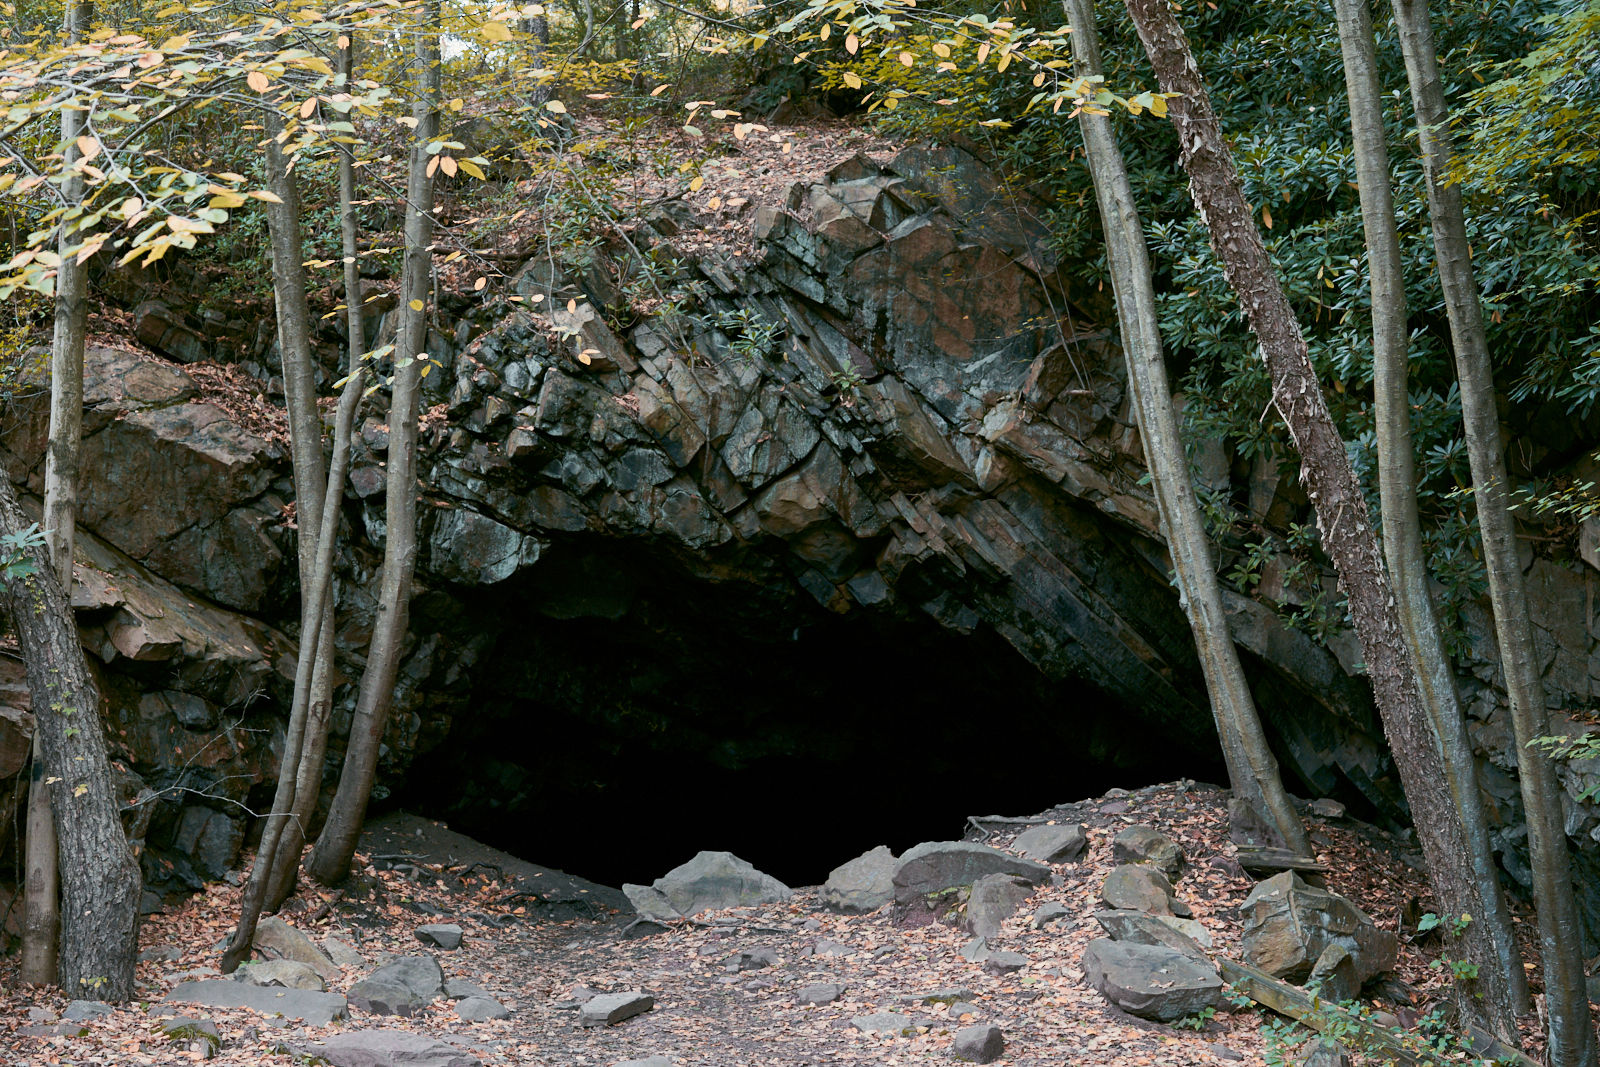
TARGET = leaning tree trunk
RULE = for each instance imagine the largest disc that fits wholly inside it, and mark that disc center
(1397, 490)
(100, 879)
(1342, 519)
(314, 747)
(329, 862)
(1572, 1040)
(1252, 770)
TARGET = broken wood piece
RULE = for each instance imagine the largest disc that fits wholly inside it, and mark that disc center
(1277, 859)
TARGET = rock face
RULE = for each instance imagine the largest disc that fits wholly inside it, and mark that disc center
(714, 880)
(1292, 929)
(1151, 981)
(864, 884)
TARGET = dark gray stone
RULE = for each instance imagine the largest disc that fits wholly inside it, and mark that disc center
(976, 950)
(461, 989)
(389, 1048)
(935, 866)
(1139, 888)
(1004, 962)
(882, 1022)
(477, 1009)
(1325, 1053)
(650, 1061)
(608, 1009)
(1058, 843)
(983, 1043)
(864, 884)
(1139, 928)
(1147, 845)
(995, 898)
(715, 880)
(651, 903)
(291, 974)
(820, 993)
(442, 935)
(1048, 912)
(312, 1008)
(1151, 981)
(400, 987)
(79, 1010)
(1289, 925)
(754, 959)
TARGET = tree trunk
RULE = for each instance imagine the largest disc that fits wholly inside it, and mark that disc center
(314, 749)
(1342, 519)
(1572, 1040)
(1402, 529)
(1252, 770)
(329, 862)
(100, 879)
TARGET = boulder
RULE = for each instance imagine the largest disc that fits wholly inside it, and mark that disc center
(1289, 925)
(651, 903)
(80, 1010)
(442, 935)
(277, 939)
(935, 866)
(1048, 912)
(983, 1043)
(608, 1009)
(754, 959)
(461, 989)
(864, 884)
(820, 993)
(715, 880)
(1147, 845)
(1324, 1053)
(1004, 962)
(995, 898)
(477, 1009)
(1151, 981)
(301, 1005)
(1143, 889)
(388, 1048)
(288, 974)
(1141, 929)
(403, 987)
(1053, 843)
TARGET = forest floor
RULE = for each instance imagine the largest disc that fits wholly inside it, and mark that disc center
(708, 1016)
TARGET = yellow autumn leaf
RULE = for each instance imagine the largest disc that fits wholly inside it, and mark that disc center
(415, 305)
(472, 169)
(557, 106)
(907, 59)
(495, 32)
(851, 80)
(851, 43)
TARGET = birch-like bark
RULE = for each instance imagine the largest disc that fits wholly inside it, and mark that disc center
(1397, 489)
(1342, 520)
(330, 860)
(1252, 770)
(1561, 938)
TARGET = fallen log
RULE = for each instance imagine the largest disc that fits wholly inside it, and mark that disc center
(1362, 1033)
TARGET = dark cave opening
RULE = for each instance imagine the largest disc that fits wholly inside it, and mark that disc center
(630, 714)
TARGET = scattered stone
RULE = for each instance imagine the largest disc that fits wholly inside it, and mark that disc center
(476, 1009)
(754, 959)
(1138, 888)
(608, 1009)
(277, 939)
(820, 993)
(1053, 843)
(830, 948)
(651, 903)
(303, 1005)
(461, 989)
(935, 866)
(193, 1035)
(1334, 974)
(403, 987)
(715, 880)
(170, 954)
(444, 935)
(978, 1044)
(389, 1048)
(343, 953)
(1289, 925)
(995, 898)
(976, 950)
(947, 996)
(1326, 808)
(1140, 929)
(80, 1010)
(1147, 845)
(962, 1007)
(1151, 981)
(811, 924)
(882, 1022)
(290, 974)
(653, 1061)
(864, 884)
(1004, 962)
(1049, 912)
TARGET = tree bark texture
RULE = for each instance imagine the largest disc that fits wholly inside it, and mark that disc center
(1252, 770)
(1345, 527)
(1397, 488)
(100, 879)
(1561, 940)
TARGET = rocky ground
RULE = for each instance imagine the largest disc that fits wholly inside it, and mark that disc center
(788, 983)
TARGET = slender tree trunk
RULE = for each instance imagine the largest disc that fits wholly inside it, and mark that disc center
(100, 879)
(1252, 770)
(1397, 482)
(1342, 519)
(1572, 1039)
(329, 862)
(308, 785)
(42, 916)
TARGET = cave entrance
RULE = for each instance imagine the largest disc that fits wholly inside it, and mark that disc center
(630, 714)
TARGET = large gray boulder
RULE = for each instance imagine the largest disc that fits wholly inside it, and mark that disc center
(978, 1044)
(864, 884)
(1136, 888)
(1139, 928)
(1290, 927)
(1151, 981)
(995, 898)
(1053, 843)
(389, 1048)
(714, 880)
(936, 866)
(401, 987)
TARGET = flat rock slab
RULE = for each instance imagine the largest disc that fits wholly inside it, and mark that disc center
(1138, 928)
(478, 1009)
(715, 880)
(1053, 844)
(653, 1061)
(820, 993)
(442, 935)
(389, 1048)
(1004, 962)
(1151, 981)
(308, 1006)
(79, 1010)
(863, 885)
(882, 1022)
(608, 1009)
(978, 1044)
(935, 866)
